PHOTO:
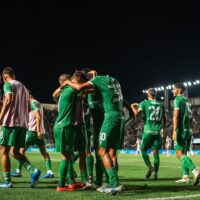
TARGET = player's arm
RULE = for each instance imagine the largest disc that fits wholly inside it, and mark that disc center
(135, 109)
(36, 109)
(127, 105)
(56, 94)
(6, 104)
(78, 86)
(175, 122)
(38, 123)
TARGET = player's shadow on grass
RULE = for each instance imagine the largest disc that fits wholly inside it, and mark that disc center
(146, 189)
(145, 180)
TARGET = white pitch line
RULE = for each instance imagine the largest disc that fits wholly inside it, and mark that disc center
(176, 197)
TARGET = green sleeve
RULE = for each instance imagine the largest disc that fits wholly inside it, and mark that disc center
(95, 80)
(34, 106)
(142, 105)
(7, 88)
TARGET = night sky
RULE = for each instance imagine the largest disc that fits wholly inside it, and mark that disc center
(142, 45)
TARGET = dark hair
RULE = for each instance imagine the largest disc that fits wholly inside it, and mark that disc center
(64, 77)
(9, 71)
(80, 74)
(180, 86)
(86, 70)
(152, 92)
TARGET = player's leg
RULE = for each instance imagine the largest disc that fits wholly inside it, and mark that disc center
(113, 155)
(47, 159)
(15, 152)
(145, 144)
(18, 172)
(80, 146)
(186, 163)
(109, 139)
(64, 138)
(6, 165)
(90, 164)
(156, 145)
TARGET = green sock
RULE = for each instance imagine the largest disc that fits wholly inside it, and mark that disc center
(113, 177)
(29, 167)
(62, 173)
(90, 164)
(7, 177)
(84, 176)
(70, 172)
(145, 158)
(19, 165)
(156, 162)
(99, 171)
(186, 162)
(76, 156)
(48, 164)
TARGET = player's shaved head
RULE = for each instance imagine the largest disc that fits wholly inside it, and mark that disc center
(63, 77)
(79, 76)
(8, 71)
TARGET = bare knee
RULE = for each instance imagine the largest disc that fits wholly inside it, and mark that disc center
(102, 152)
(14, 151)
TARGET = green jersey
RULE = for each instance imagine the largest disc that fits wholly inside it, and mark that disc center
(184, 122)
(111, 94)
(66, 107)
(153, 111)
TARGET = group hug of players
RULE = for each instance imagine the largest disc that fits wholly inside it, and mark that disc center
(21, 118)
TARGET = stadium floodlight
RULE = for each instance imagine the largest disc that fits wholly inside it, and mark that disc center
(162, 98)
(156, 89)
(194, 83)
(162, 88)
(197, 82)
(159, 89)
(169, 87)
(189, 83)
(185, 84)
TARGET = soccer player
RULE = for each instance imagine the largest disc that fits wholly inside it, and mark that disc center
(138, 146)
(168, 144)
(14, 121)
(153, 117)
(64, 133)
(61, 79)
(182, 133)
(109, 137)
(35, 136)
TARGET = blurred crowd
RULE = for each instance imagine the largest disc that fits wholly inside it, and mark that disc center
(133, 127)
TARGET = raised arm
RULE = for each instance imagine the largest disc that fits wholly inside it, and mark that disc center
(135, 109)
(78, 86)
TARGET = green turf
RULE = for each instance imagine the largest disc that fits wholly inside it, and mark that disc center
(132, 172)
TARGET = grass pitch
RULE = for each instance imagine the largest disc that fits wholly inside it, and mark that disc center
(132, 176)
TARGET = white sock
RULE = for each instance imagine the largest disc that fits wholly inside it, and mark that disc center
(49, 172)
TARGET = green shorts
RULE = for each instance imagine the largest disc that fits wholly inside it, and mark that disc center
(153, 142)
(110, 134)
(32, 139)
(64, 139)
(80, 143)
(183, 141)
(97, 128)
(13, 136)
